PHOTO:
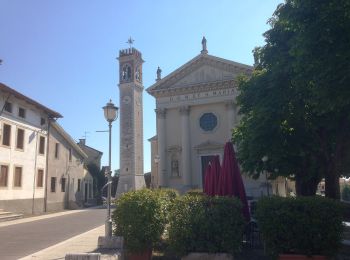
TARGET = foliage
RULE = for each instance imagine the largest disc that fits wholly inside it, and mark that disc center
(195, 192)
(99, 179)
(301, 225)
(295, 106)
(205, 224)
(346, 193)
(138, 218)
(167, 198)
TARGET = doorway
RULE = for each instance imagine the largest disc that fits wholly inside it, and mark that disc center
(86, 192)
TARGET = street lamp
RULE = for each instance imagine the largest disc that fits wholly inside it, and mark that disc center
(111, 114)
(264, 160)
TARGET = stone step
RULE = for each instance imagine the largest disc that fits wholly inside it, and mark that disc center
(9, 216)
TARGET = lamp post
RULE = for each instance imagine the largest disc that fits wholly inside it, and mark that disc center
(264, 160)
(111, 114)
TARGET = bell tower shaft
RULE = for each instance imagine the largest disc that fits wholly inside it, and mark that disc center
(131, 121)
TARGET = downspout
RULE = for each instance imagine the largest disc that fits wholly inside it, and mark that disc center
(36, 156)
(47, 162)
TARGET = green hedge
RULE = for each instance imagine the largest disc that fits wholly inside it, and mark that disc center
(205, 224)
(302, 225)
(140, 219)
(166, 197)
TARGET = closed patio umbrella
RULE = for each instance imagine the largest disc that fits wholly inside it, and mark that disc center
(230, 181)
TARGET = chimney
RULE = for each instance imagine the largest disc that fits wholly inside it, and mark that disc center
(82, 141)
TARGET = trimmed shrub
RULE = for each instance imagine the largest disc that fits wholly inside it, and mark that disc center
(139, 219)
(195, 192)
(301, 225)
(166, 197)
(205, 224)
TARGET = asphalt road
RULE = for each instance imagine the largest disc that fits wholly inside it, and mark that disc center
(23, 239)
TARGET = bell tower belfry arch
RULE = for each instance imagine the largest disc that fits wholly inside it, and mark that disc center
(131, 121)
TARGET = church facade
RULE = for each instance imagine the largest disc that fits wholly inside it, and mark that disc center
(196, 111)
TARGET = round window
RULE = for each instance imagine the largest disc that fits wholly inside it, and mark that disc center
(208, 121)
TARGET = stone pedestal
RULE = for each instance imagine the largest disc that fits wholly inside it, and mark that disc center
(112, 242)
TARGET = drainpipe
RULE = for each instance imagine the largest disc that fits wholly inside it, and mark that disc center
(47, 162)
(35, 170)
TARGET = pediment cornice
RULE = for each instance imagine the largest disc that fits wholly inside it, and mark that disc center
(169, 82)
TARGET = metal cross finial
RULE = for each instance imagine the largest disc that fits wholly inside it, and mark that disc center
(130, 41)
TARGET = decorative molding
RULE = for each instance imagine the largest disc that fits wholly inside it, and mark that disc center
(197, 62)
(174, 149)
(161, 112)
(209, 145)
(184, 110)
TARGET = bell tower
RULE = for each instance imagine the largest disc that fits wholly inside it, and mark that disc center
(131, 121)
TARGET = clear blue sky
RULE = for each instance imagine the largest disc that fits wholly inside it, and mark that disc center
(62, 53)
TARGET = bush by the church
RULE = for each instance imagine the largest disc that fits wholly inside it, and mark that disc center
(205, 224)
(139, 218)
(195, 192)
(301, 225)
(166, 197)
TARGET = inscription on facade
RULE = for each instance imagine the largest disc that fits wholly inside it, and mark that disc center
(200, 95)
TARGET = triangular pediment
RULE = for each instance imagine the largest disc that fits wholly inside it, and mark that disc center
(202, 69)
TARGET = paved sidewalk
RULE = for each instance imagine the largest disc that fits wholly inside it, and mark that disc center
(83, 243)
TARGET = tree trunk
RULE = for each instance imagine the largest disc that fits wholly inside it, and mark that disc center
(304, 186)
(332, 188)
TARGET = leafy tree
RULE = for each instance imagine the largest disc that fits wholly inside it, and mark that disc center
(99, 178)
(295, 106)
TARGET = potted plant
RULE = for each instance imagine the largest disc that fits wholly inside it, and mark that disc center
(139, 219)
(212, 226)
(300, 228)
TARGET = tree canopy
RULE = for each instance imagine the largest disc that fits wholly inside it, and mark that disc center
(296, 104)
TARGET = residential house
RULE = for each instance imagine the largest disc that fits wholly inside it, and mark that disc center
(23, 151)
(70, 185)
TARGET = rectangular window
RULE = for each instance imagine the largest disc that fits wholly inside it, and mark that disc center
(70, 154)
(42, 145)
(17, 182)
(53, 184)
(6, 134)
(63, 184)
(3, 175)
(57, 149)
(8, 107)
(79, 184)
(42, 121)
(20, 139)
(22, 112)
(40, 178)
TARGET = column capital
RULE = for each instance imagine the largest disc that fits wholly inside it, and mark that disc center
(230, 104)
(184, 110)
(161, 112)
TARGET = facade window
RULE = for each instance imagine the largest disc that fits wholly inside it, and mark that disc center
(21, 112)
(70, 154)
(3, 175)
(63, 184)
(53, 184)
(40, 178)
(79, 183)
(20, 139)
(42, 121)
(17, 182)
(6, 135)
(208, 122)
(57, 150)
(42, 145)
(8, 107)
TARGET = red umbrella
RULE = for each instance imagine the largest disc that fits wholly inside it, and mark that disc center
(207, 179)
(214, 176)
(230, 182)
